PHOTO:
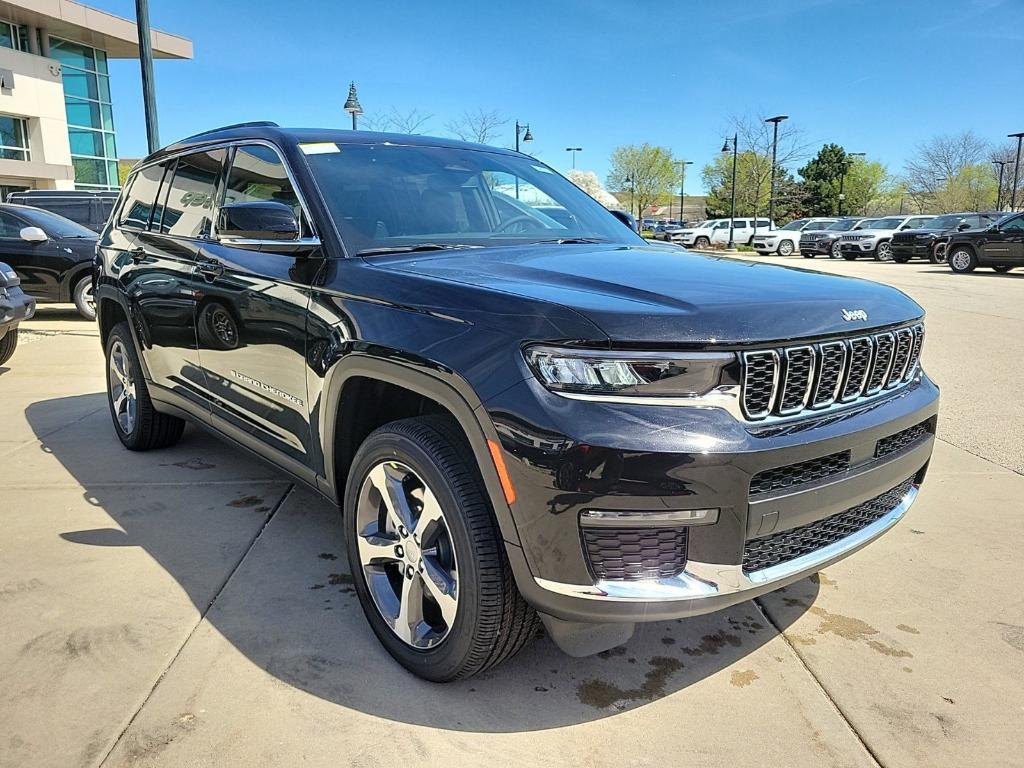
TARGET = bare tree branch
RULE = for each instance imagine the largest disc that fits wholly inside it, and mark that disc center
(479, 126)
(395, 121)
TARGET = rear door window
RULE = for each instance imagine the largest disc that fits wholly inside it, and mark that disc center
(188, 209)
(141, 197)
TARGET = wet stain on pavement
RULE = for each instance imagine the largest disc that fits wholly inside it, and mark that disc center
(619, 650)
(908, 629)
(246, 501)
(856, 630)
(334, 579)
(104, 641)
(327, 556)
(1012, 634)
(713, 643)
(146, 745)
(601, 694)
(194, 463)
(741, 678)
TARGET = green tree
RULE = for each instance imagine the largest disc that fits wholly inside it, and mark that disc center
(821, 177)
(648, 170)
(753, 186)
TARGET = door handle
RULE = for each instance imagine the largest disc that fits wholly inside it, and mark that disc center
(210, 269)
(137, 254)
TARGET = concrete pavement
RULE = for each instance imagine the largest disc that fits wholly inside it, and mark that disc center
(190, 607)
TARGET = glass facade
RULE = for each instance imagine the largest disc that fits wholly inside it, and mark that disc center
(90, 115)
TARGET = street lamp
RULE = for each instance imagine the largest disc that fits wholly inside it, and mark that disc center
(771, 187)
(842, 179)
(999, 190)
(574, 150)
(523, 130)
(682, 187)
(352, 105)
(731, 246)
(1016, 170)
(631, 180)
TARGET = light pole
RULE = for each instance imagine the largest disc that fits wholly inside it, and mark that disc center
(842, 179)
(771, 187)
(682, 187)
(999, 190)
(731, 246)
(574, 150)
(631, 180)
(148, 82)
(1016, 170)
(527, 138)
(352, 105)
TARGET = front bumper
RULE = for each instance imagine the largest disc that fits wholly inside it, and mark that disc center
(561, 462)
(858, 247)
(15, 306)
(910, 250)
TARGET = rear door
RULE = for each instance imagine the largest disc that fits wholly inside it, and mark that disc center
(253, 299)
(39, 265)
(1007, 245)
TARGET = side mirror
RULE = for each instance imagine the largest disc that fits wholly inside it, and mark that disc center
(265, 220)
(962, 226)
(33, 235)
(625, 218)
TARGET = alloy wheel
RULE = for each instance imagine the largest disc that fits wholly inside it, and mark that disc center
(836, 252)
(406, 555)
(884, 252)
(960, 260)
(122, 388)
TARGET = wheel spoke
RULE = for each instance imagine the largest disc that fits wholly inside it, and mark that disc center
(410, 609)
(430, 517)
(442, 587)
(376, 548)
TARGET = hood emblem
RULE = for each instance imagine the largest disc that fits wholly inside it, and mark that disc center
(849, 315)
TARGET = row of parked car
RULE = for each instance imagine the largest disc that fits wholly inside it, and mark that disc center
(966, 240)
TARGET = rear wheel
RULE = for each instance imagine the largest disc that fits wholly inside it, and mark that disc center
(82, 295)
(935, 257)
(835, 251)
(701, 242)
(962, 260)
(786, 248)
(8, 343)
(883, 252)
(1002, 269)
(428, 562)
(139, 426)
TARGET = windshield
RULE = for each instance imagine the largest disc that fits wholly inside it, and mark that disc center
(795, 224)
(842, 226)
(58, 226)
(884, 224)
(385, 197)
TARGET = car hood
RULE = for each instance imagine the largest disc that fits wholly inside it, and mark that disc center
(874, 232)
(916, 232)
(659, 295)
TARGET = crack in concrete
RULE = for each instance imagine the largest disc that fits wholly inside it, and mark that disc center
(202, 616)
(979, 456)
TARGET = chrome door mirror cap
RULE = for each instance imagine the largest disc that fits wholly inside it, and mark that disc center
(33, 235)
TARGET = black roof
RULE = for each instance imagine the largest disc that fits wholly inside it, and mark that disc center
(273, 132)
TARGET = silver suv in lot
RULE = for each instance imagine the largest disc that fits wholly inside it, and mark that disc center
(877, 240)
(786, 241)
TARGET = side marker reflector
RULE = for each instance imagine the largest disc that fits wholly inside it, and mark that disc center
(499, 464)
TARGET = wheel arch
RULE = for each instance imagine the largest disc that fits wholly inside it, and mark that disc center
(71, 277)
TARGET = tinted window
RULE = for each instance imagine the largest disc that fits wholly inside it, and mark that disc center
(56, 225)
(258, 174)
(188, 209)
(138, 206)
(739, 224)
(1014, 225)
(10, 226)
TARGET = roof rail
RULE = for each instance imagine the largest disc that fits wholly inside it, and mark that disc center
(253, 124)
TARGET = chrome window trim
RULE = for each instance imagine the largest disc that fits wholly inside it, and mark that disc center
(707, 580)
(810, 380)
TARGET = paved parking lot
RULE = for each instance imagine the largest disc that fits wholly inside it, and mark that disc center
(192, 607)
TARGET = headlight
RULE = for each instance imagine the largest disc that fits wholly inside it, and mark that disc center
(651, 374)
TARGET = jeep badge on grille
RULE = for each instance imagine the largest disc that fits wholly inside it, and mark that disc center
(854, 314)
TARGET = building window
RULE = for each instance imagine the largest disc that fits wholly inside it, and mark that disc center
(89, 112)
(13, 138)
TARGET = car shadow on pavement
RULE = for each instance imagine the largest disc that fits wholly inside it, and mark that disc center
(289, 607)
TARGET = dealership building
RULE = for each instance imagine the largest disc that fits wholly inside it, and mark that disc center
(56, 116)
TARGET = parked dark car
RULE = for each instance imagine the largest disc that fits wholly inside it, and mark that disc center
(999, 245)
(929, 242)
(90, 209)
(516, 427)
(15, 306)
(52, 255)
(825, 241)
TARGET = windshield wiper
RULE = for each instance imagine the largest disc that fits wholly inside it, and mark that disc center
(414, 248)
(570, 241)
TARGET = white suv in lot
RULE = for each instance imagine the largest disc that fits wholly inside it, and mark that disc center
(786, 241)
(717, 231)
(875, 241)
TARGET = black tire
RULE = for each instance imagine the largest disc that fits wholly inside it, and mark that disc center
(1002, 269)
(935, 258)
(807, 255)
(82, 296)
(850, 256)
(883, 251)
(962, 260)
(493, 621)
(786, 248)
(701, 242)
(149, 429)
(901, 259)
(8, 343)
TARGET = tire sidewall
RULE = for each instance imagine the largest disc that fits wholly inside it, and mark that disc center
(971, 263)
(78, 297)
(883, 248)
(131, 439)
(443, 661)
(788, 244)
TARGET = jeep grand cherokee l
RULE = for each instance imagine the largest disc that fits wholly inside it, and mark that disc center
(825, 241)
(930, 241)
(521, 420)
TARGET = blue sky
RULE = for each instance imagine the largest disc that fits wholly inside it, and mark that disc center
(877, 77)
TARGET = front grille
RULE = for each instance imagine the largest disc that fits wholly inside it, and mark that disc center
(797, 474)
(896, 443)
(903, 237)
(791, 380)
(632, 554)
(788, 545)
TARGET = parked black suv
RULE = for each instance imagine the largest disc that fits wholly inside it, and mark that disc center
(929, 242)
(52, 255)
(15, 306)
(90, 209)
(520, 418)
(999, 245)
(825, 242)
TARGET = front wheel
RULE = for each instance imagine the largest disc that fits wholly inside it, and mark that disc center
(428, 562)
(962, 260)
(139, 426)
(786, 248)
(836, 252)
(8, 343)
(85, 301)
(1002, 269)
(901, 259)
(701, 242)
(883, 252)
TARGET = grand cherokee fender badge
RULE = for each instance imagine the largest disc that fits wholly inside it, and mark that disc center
(257, 384)
(854, 314)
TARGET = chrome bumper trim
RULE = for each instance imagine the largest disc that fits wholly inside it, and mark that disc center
(704, 580)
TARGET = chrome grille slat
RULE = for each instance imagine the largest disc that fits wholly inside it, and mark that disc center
(789, 380)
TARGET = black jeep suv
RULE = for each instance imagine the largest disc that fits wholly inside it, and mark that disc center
(523, 417)
(930, 241)
(999, 245)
